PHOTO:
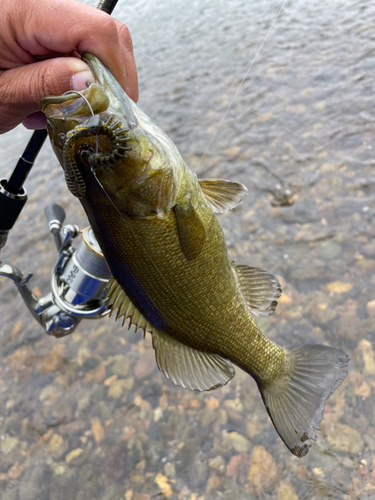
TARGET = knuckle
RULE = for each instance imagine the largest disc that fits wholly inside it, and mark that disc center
(109, 25)
(125, 37)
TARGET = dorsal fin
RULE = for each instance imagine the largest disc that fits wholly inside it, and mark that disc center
(191, 231)
(117, 299)
(188, 367)
(259, 288)
(222, 195)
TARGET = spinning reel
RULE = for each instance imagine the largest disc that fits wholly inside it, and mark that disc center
(78, 279)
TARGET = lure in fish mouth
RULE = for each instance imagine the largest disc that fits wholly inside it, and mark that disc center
(157, 227)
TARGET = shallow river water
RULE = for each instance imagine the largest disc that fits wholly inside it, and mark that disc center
(281, 101)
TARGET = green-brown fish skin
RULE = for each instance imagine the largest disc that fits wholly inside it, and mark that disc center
(157, 228)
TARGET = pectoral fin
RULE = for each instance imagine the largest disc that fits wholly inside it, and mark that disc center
(191, 230)
(188, 367)
(259, 288)
(117, 299)
(222, 195)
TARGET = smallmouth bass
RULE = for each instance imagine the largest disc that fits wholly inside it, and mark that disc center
(157, 228)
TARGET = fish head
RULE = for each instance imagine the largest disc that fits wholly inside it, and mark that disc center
(88, 108)
(100, 135)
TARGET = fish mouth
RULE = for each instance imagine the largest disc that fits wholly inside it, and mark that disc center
(90, 101)
(105, 97)
(87, 102)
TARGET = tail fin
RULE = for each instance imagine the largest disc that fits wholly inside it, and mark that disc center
(296, 402)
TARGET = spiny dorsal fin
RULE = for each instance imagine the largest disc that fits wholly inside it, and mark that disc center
(117, 299)
(191, 230)
(222, 195)
(188, 367)
(259, 288)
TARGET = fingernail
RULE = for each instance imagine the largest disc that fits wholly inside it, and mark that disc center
(35, 121)
(81, 80)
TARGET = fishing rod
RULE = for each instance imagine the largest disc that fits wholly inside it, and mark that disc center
(80, 274)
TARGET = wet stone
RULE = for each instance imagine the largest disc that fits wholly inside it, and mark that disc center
(90, 364)
(74, 456)
(330, 250)
(151, 392)
(207, 417)
(145, 366)
(342, 437)
(35, 482)
(321, 310)
(120, 366)
(285, 491)
(113, 492)
(89, 480)
(103, 409)
(65, 486)
(370, 308)
(198, 472)
(8, 443)
(238, 468)
(236, 441)
(217, 464)
(117, 463)
(263, 469)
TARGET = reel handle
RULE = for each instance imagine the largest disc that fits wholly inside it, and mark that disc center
(55, 217)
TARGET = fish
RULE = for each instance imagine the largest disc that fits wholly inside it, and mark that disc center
(172, 276)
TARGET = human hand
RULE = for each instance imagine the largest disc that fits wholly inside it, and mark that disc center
(40, 43)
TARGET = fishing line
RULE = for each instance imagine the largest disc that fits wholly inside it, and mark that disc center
(242, 82)
(91, 111)
(202, 85)
(196, 81)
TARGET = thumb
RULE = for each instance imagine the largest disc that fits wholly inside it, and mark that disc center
(22, 88)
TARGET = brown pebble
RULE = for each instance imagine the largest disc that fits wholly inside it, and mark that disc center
(73, 454)
(164, 485)
(110, 380)
(97, 429)
(341, 436)
(53, 359)
(368, 356)
(238, 467)
(263, 469)
(339, 287)
(16, 329)
(16, 470)
(99, 374)
(213, 482)
(145, 365)
(285, 491)
(370, 308)
(212, 403)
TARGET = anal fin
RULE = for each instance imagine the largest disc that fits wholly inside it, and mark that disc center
(188, 367)
(117, 299)
(259, 288)
(222, 195)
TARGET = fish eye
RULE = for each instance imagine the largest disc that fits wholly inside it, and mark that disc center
(84, 152)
